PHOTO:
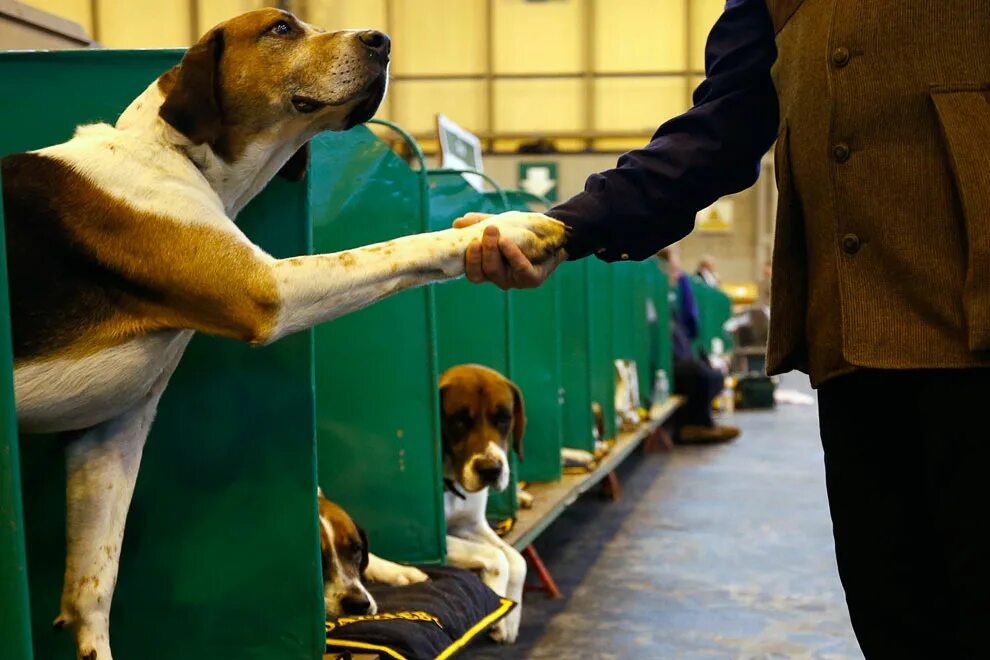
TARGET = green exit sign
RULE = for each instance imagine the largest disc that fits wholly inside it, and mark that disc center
(539, 178)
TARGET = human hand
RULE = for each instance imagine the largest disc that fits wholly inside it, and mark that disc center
(499, 260)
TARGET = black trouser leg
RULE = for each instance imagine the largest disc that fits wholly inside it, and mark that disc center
(906, 470)
(699, 384)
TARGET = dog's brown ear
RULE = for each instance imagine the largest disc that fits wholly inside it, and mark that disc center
(192, 91)
(364, 549)
(296, 167)
(518, 419)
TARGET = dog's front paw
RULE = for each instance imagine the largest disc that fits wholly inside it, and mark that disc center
(506, 631)
(539, 237)
(409, 575)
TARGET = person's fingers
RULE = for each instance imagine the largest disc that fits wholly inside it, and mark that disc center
(522, 271)
(470, 219)
(472, 263)
(491, 258)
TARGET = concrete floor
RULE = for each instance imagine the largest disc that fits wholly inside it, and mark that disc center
(719, 552)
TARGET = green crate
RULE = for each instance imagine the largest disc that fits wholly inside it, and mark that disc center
(472, 322)
(575, 360)
(15, 624)
(631, 332)
(714, 309)
(601, 342)
(376, 369)
(661, 341)
(221, 555)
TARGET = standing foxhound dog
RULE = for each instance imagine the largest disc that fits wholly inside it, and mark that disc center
(479, 410)
(122, 243)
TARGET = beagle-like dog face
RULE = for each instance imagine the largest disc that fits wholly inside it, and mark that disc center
(480, 410)
(268, 73)
(344, 547)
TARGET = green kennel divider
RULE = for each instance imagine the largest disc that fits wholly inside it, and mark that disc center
(15, 608)
(535, 331)
(376, 369)
(661, 342)
(714, 309)
(631, 334)
(601, 341)
(472, 322)
(575, 365)
(221, 555)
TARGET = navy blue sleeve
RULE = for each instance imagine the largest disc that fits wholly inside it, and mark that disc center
(650, 199)
(689, 314)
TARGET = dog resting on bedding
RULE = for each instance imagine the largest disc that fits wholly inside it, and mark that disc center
(122, 243)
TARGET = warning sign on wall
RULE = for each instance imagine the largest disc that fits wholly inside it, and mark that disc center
(717, 218)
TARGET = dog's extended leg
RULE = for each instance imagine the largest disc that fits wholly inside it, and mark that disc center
(481, 557)
(102, 467)
(317, 288)
(507, 630)
(388, 572)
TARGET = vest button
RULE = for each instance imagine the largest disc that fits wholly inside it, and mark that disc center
(851, 244)
(840, 57)
(841, 152)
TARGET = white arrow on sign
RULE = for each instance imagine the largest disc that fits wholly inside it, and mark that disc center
(538, 181)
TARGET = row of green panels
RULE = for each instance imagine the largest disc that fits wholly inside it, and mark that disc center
(221, 553)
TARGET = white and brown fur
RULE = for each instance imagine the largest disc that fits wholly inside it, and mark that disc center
(481, 411)
(122, 243)
(347, 563)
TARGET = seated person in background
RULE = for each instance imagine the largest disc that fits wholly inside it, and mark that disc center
(694, 378)
(706, 271)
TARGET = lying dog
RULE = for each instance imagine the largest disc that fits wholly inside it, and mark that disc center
(347, 563)
(480, 410)
(122, 243)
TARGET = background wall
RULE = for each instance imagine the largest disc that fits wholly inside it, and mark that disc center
(595, 77)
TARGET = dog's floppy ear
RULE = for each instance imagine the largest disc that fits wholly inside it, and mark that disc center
(518, 419)
(296, 167)
(192, 91)
(364, 549)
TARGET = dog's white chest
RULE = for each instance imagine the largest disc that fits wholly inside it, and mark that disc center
(76, 393)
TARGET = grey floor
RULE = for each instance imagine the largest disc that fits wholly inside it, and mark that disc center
(720, 552)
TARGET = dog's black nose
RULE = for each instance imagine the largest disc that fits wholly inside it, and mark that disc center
(488, 470)
(354, 605)
(376, 41)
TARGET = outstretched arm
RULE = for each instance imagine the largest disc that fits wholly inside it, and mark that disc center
(650, 198)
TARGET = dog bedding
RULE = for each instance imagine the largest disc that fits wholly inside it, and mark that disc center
(431, 620)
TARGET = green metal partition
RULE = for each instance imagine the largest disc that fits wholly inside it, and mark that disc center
(472, 321)
(376, 369)
(714, 309)
(601, 342)
(15, 608)
(221, 554)
(630, 327)
(661, 342)
(578, 422)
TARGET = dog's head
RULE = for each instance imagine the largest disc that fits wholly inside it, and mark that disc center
(344, 547)
(480, 411)
(266, 73)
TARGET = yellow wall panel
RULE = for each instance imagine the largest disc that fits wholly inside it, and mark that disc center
(415, 104)
(539, 105)
(144, 23)
(704, 13)
(347, 14)
(438, 36)
(74, 10)
(638, 104)
(640, 35)
(541, 37)
(212, 12)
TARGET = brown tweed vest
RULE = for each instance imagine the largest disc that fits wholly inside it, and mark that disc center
(882, 248)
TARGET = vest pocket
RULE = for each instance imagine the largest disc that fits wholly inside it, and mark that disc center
(964, 114)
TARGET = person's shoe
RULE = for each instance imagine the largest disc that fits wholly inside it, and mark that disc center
(706, 435)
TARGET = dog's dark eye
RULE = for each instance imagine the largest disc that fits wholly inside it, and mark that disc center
(281, 29)
(502, 421)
